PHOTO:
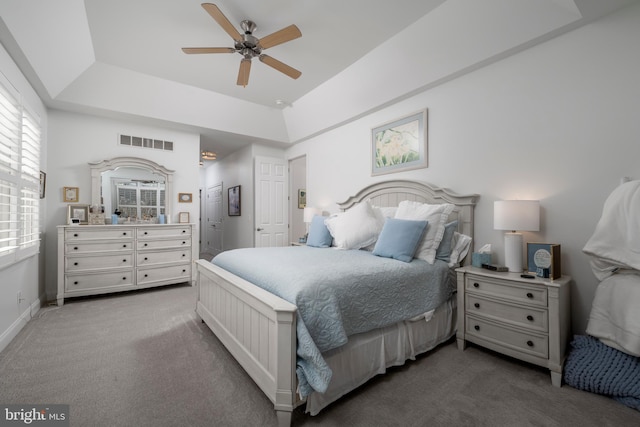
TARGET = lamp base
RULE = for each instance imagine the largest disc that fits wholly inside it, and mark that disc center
(513, 252)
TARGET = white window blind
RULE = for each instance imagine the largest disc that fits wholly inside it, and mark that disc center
(20, 140)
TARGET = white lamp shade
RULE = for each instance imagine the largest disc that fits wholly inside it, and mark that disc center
(309, 213)
(516, 215)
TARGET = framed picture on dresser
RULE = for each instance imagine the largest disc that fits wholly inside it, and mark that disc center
(78, 214)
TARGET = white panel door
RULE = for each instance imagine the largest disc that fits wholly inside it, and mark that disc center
(213, 215)
(271, 211)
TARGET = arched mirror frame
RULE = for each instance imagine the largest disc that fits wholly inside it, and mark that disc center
(119, 162)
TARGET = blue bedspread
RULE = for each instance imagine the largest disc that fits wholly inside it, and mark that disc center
(595, 367)
(339, 293)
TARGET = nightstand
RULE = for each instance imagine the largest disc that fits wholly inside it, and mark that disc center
(298, 244)
(528, 319)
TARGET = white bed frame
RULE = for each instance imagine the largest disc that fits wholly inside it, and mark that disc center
(259, 328)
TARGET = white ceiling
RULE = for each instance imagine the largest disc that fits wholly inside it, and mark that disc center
(122, 58)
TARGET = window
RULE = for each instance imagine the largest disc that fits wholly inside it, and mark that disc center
(20, 138)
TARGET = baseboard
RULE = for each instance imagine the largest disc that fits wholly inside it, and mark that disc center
(13, 330)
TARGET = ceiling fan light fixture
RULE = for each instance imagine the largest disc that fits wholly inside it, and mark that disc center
(208, 155)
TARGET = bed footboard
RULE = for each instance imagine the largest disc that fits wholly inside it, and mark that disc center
(257, 327)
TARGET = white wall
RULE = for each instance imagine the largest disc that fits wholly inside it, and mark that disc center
(557, 123)
(25, 276)
(77, 139)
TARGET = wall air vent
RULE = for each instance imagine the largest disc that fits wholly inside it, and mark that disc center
(137, 141)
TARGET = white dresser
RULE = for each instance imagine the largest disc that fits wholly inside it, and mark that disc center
(98, 259)
(528, 319)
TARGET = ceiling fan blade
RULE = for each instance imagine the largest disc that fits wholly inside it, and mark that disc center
(222, 20)
(208, 50)
(284, 35)
(243, 73)
(280, 66)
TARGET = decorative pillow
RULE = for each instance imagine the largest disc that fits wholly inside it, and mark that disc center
(319, 236)
(399, 239)
(461, 245)
(443, 253)
(355, 228)
(435, 215)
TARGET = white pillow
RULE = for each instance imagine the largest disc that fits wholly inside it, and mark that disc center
(435, 215)
(354, 229)
(461, 244)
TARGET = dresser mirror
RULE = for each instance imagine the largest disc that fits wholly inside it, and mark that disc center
(132, 187)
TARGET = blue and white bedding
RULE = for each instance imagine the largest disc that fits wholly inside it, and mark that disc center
(339, 293)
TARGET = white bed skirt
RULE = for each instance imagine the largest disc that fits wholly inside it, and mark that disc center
(369, 354)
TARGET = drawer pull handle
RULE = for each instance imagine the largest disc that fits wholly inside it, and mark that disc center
(184, 255)
(75, 263)
(146, 259)
(184, 243)
(124, 246)
(530, 343)
(145, 244)
(124, 260)
(75, 235)
(476, 285)
(476, 327)
(530, 318)
(184, 231)
(75, 248)
(124, 278)
(146, 275)
(145, 233)
(75, 283)
(184, 271)
(529, 295)
(124, 234)
(476, 305)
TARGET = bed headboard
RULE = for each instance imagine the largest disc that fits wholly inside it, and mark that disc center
(391, 193)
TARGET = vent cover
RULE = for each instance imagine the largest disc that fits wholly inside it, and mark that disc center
(137, 141)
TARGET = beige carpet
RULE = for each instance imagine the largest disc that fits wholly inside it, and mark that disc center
(143, 359)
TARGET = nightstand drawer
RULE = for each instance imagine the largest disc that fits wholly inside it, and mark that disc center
(507, 290)
(536, 345)
(528, 317)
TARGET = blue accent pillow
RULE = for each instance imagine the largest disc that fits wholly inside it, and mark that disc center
(319, 235)
(443, 253)
(399, 239)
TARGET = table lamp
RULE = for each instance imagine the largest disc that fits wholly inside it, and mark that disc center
(515, 215)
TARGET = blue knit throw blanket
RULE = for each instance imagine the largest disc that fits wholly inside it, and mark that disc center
(595, 367)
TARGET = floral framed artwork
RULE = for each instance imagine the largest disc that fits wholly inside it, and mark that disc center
(400, 145)
(43, 184)
(70, 194)
(234, 201)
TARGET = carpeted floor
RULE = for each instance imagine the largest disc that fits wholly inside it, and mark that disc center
(143, 359)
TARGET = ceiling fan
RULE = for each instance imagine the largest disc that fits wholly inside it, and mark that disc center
(248, 45)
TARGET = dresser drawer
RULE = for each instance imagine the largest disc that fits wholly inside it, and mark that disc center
(530, 317)
(81, 282)
(529, 294)
(89, 233)
(164, 243)
(161, 257)
(89, 247)
(98, 262)
(163, 231)
(530, 343)
(175, 273)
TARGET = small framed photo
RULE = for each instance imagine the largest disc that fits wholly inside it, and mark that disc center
(302, 198)
(70, 194)
(234, 201)
(543, 260)
(78, 214)
(43, 183)
(183, 217)
(185, 198)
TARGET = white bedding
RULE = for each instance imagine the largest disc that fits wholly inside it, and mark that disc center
(615, 314)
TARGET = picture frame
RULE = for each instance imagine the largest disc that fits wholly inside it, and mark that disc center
(234, 201)
(400, 145)
(78, 214)
(185, 198)
(43, 183)
(70, 194)
(302, 198)
(183, 217)
(543, 260)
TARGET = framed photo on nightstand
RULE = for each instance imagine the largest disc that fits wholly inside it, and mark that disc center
(543, 260)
